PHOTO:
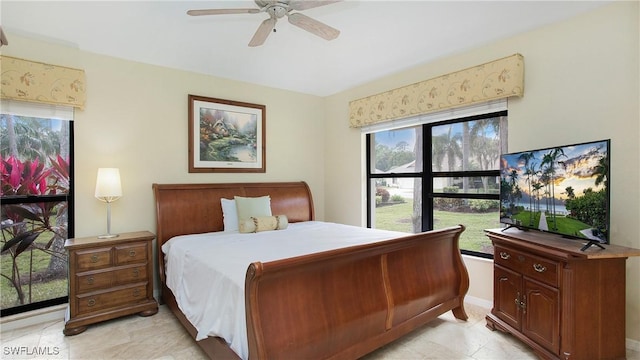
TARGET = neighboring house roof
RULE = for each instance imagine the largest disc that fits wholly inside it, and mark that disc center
(408, 167)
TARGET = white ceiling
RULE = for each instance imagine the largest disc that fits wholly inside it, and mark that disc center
(377, 37)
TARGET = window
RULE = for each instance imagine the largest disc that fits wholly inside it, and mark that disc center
(439, 174)
(36, 190)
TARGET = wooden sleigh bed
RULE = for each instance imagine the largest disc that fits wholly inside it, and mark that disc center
(370, 294)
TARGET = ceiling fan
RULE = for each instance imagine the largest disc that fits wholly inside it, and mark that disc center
(276, 10)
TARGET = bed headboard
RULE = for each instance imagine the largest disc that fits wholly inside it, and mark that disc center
(195, 208)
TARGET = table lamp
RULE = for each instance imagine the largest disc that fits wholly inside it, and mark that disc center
(108, 189)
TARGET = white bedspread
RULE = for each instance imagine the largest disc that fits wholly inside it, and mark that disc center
(206, 272)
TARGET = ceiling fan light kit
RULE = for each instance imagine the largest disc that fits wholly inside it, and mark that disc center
(277, 9)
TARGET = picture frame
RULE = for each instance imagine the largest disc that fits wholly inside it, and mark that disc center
(226, 136)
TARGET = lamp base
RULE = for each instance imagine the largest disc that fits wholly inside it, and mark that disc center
(108, 236)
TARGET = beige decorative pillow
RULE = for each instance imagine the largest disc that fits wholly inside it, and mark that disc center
(263, 223)
(252, 206)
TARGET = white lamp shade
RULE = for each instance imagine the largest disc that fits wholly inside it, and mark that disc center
(108, 186)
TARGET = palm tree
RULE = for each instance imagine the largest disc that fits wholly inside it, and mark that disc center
(601, 170)
(485, 148)
(438, 151)
(452, 148)
(536, 189)
(513, 176)
(529, 172)
(550, 159)
(570, 192)
(466, 149)
(447, 146)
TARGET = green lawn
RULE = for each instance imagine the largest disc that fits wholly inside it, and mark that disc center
(40, 290)
(565, 225)
(398, 218)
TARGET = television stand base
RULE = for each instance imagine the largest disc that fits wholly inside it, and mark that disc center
(590, 243)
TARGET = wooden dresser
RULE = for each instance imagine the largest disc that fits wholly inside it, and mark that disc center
(563, 302)
(109, 278)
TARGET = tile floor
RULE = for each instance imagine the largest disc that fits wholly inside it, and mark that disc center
(162, 337)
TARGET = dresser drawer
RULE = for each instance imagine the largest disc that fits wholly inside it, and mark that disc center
(99, 301)
(538, 268)
(133, 253)
(509, 258)
(92, 258)
(541, 269)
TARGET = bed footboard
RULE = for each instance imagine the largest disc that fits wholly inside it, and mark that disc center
(345, 303)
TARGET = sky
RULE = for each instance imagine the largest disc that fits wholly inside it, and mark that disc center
(393, 137)
(575, 171)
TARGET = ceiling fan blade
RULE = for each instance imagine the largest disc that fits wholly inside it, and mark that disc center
(222, 11)
(263, 31)
(313, 26)
(310, 4)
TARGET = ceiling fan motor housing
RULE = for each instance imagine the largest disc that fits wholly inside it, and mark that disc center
(277, 11)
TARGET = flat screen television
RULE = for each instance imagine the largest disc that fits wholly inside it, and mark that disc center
(562, 190)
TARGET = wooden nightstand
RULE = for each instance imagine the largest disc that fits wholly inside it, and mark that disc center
(109, 278)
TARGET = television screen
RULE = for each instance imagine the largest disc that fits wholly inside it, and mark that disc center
(562, 190)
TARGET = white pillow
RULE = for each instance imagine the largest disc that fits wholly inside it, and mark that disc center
(254, 206)
(229, 214)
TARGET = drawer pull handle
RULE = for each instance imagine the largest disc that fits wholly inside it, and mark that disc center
(504, 255)
(136, 292)
(91, 302)
(539, 268)
(136, 272)
(90, 281)
(132, 253)
(94, 258)
(520, 303)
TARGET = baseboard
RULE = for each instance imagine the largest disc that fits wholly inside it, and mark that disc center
(28, 318)
(487, 304)
(632, 344)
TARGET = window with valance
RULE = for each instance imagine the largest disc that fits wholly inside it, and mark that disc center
(36, 153)
(433, 149)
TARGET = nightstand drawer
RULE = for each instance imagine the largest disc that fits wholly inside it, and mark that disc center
(111, 299)
(94, 281)
(93, 258)
(105, 279)
(130, 274)
(131, 253)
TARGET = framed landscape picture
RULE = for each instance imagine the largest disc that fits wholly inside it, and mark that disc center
(226, 136)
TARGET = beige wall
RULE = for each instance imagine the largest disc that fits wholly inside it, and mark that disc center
(581, 79)
(136, 119)
(581, 84)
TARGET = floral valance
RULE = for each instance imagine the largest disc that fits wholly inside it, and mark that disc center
(43, 83)
(494, 80)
